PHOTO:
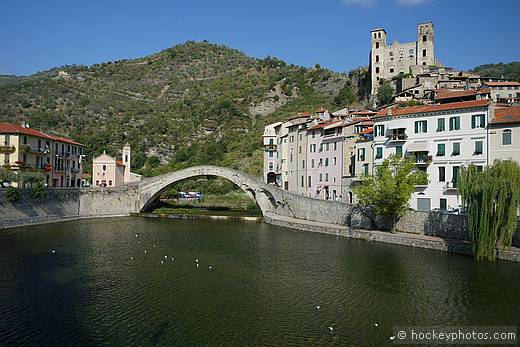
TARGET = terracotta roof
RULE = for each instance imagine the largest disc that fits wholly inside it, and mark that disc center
(367, 122)
(363, 112)
(400, 111)
(18, 129)
(320, 110)
(499, 84)
(447, 94)
(366, 131)
(507, 115)
(324, 124)
(301, 115)
(66, 140)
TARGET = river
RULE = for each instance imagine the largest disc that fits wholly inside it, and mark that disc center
(93, 282)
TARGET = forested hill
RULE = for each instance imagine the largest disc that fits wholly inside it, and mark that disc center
(509, 70)
(190, 104)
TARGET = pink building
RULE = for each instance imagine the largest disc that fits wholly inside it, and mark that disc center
(107, 171)
(325, 159)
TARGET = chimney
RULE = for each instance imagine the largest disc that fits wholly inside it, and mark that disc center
(25, 124)
(389, 112)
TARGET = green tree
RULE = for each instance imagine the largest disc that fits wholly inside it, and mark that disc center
(390, 189)
(492, 198)
(7, 175)
(29, 178)
(345, 96)
(385, 94)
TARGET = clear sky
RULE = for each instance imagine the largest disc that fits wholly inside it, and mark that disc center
(36, 35)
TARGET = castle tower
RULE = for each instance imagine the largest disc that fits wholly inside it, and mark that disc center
(377, 56)
(126, 162)
(425, 51)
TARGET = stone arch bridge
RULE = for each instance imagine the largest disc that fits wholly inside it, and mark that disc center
(275, 203)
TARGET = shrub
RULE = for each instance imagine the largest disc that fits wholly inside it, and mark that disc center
(12, 194)
(37, 191)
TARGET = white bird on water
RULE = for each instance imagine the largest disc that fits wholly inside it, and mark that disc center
(132, 258)
(165, 257)
(318, 307)
(196, 260)
(144, 252)
(392, 338)
(197, 266)
(173, 258)
(53, 251)
(211, 267)
(162, 262)
(331, 329)
(135, 235)
(375, 324)
(138, 242)
(153, 246)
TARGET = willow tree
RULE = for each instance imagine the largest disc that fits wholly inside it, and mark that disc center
(492, 198)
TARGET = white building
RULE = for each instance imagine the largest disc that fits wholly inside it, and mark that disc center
(442, 138)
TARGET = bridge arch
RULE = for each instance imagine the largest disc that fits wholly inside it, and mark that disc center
(151, 188)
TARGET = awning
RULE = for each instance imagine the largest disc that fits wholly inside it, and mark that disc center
(418, 147)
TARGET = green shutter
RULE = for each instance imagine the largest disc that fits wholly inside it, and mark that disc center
(441, 149)
(473, 121)
(457, 123)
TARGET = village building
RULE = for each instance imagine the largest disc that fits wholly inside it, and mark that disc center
(504, 134)
(272, 165)
(504, 91)
(441, 139)
(108, 171)
(58, 158)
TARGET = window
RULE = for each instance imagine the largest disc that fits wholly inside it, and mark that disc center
(455, 123)
(424, 38)
(290, 158)
(334, 162)
(308, 181)
(391, 70)
(421, 127)
(441, 149)
(327, 147)
(271, 141)
(424, 53)
(478, 147)
(506, 137)
(104, 168)
(441, 124)
(300, 149)
(326, 177)
(335, 146)
(455, 176)
(379, 152)
(97, 183)
(271, 166)
(313, 134)
(110, 182)
(302, 182)
(443, 204)
(365, 169)
(377, 58)
(291, 138)
(326, 162)
(321, 147)
(410, 51)
(312, 163)
(456, 148)
(377, 44)
(478, 121)
(271, 154)
(380, 130)
(377, 69)
(399, 150)
(321, 177)
(303, 164)
(442, 174)
(361, 154)
(300, 137)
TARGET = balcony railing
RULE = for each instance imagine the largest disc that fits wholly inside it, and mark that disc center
(7, 149)
(423, 159)
(270, 147)
(397, 137)
(451, 185)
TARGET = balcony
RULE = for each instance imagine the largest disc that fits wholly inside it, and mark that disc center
(450, 186)
(270, 147)
(397, 135)
(422, 160)
(7, 149)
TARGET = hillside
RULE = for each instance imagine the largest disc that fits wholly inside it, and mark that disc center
(509, 70)
(190, 104)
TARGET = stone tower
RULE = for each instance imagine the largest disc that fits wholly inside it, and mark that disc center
(425, 44)
(377, 55)
(126, 162)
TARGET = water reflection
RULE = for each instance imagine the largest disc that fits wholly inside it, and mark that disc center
(265, 283)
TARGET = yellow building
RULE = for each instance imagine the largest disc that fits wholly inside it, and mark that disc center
(25, 149)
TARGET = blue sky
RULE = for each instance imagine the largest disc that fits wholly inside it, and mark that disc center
(38, 35)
